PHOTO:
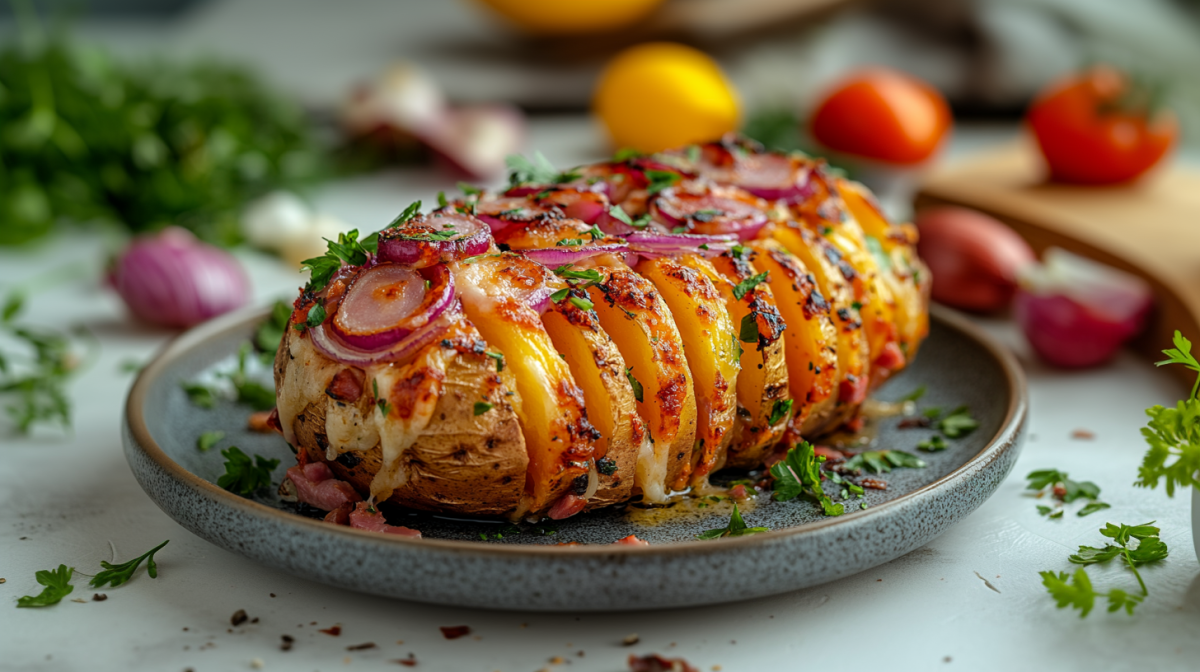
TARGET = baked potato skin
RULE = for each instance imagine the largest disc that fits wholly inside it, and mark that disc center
(462, 462)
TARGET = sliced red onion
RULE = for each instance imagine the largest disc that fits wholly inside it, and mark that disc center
(500, 213)
(1076, 312)
(553, 257)
(388, 302)
(325, 341)
(174, 280)
(421, 241)
(586, 206)
(711, 213)
(653, 245)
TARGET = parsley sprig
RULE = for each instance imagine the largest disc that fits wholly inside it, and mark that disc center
(57, 584)
(1173, 433)
(1065, 490)
(742, 288)
(34, 374)
(536, 171)
(115, 575)
(244, 476)
(880, 461)
(348, 249)
(736, 528)
(1076, 590)
(799, 473)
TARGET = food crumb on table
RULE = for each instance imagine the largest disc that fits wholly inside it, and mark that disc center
(1083, 434)
(257, 663)
(630, 639)
(239, 617)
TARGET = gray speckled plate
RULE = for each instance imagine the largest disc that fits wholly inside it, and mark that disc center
(531, 570)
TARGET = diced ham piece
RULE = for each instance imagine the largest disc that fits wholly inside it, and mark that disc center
(891, 357)
(852, 390)
(366, 517)
(569, 505)
(739, 491)
(831, 454)
(316, 486)
(346, 385)
(631, 540)
(261, 421)
(657, 663)
(340, 515)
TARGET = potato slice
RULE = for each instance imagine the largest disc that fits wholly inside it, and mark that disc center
(599, 370)
(462, 462)
(496, 293)
(833, 275)
(810, 339)
(710, 341)
(633, 313)
(762, 384)
(894, 248)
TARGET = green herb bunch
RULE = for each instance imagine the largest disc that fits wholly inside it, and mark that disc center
(1173, 433)
(87, 139)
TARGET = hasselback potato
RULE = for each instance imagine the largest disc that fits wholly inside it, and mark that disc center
(618, 330)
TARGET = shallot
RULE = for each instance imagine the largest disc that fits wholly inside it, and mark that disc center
(974, 258)
(174, 280)
(1077, 312)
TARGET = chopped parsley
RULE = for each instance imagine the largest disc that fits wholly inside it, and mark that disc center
(749, 329)
(633, 382)
(736, 528)
(595, 232)
(469, 190)
(537, 171)
(442, 202)
(591, 275)
(679, 229)
(799, 473)
(780, 410)
(619, 214)
(1093, 507)
(582, 304)
(499, 357)
(569, 242)
(34, 376)
(625, 154)
(707, 215)
(559, 295)
(269, 334)
(482, 407)
(933, 444)
(742, 288)
(958, 423)
(199, 395)
(207, 440)
(385, 409)
(115, 575)
(880, 461)
(1078, 593)
(915, 395)
(57, 584)
(660, 179)
(1070, 490)
(243, 476)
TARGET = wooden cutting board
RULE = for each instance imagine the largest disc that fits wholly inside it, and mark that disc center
(1150, 228)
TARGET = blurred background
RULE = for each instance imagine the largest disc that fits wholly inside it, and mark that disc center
(264, 127)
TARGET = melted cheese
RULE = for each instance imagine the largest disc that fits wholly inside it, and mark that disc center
(397, 434)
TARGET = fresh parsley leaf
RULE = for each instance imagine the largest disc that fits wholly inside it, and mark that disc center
(569, 242)
(1182, 354)
(742, 288)
(316, 315)
(1057, 514)
(1173, 434)
(633, 382)
(320, 270)
(780, 410)
(255, 395)
(115, 575)
(537, 171)
(799, 473)
(880, 461)
(748, 333)
(707, 215)
(933, 444)
(499, 357)
(1090, 555)
(619, 214)
(915, 395)
(932, 412)
(469, 190)
(200, 395)
(207, 440)
(12, 306)
(382, 404)
(591, 275)
(679, 229)
(625, 154)
(660, 179)
(269, 334)
(57, 584)
(482, 407)
(595, 232)
(1150, 548)
(243, 476)
(582, 304)
(1071, 490)
(1093, 507)
(736, 527)
(559, 295)
(958, 423)
(34, 376)
(1044, 510)
(442, 202)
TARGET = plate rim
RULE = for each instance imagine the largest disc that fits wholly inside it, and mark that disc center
(1001, 442)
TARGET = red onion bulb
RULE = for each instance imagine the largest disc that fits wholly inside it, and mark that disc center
(1076, 312)
(174, 280)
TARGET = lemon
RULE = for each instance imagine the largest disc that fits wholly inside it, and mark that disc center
(660, 95)
(570, 17)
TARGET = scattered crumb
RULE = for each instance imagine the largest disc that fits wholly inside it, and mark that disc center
(254, 620)
(411, 661)
(716, 668)
(286, 644)
(333, 631)
(346, 660)
(272, 594)
(455, 631)
(672, 643)
(556, 660)
(630, 640)
(3, 580)
(229, 630)
(238, 617)
(313, 623)
(580, 653)
(478, 638)
(361, 647)
(946, 659)
(100, 597)
(524, 625)
(79, 601)
(656, 663)
(873, 483)
(399, 641)
(878, 580)
(733, 641)
(257, 663)
(1083, 434)
(185, 628)
(259, 421)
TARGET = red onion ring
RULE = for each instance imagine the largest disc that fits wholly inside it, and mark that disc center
(586, 206)
(386, 303)
(327, 344)
(651, 245)
(679, 208)
(553, 257)
(416, 243)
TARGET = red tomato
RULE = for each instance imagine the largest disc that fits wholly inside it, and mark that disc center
(882, 114)
(1096, 128)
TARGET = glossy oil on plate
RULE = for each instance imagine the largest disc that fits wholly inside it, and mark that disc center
(537, 567)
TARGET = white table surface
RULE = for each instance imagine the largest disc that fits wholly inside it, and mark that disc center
(65, 498)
